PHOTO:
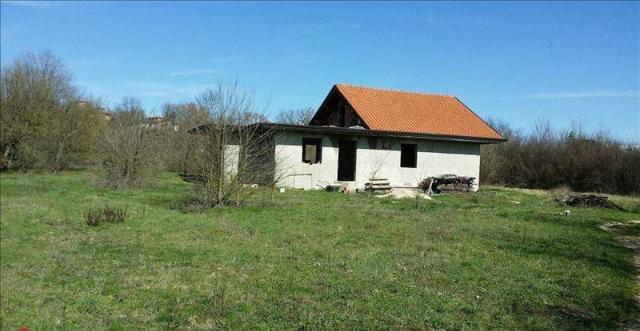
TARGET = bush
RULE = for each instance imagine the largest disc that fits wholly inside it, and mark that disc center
(46, 122)
(546, 159)
(182, 147)
(95, 217)
(132, 151)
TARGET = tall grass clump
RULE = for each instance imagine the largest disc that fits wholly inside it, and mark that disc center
(108, 214)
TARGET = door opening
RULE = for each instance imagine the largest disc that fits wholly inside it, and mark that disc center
(347, 160)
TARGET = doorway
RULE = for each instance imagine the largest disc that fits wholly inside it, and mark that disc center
(347, 160)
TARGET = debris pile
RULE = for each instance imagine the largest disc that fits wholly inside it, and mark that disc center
(378, 185)
(588, 200)
(334, 187)
(446, 183)
(338, 188)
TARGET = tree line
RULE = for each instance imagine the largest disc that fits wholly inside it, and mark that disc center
(49, 125)
(571, 158)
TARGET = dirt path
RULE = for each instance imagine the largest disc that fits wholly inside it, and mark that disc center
(624, 233)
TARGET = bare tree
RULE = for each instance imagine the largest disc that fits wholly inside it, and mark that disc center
(376, 164)
(300, 116)
(236, 152)
(131, 150)
(173, 112)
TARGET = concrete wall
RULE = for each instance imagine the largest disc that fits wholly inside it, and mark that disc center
(231, 158)
(434, 158)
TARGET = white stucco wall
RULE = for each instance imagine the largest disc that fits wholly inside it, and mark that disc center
(232, 155)
(434, 158)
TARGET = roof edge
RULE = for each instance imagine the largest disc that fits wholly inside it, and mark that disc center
(324, 101)
(394, 134)
(394, 90)
(480, 118)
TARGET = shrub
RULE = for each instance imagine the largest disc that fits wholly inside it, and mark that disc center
(131, 150)
(235, 152)
(547, 158)
(181, 148)
(47, 123)
(108, 214)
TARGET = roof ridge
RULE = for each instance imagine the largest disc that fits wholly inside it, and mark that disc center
(393, 90)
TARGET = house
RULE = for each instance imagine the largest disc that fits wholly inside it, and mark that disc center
(363, 133)
(360, 133)
(157, 122)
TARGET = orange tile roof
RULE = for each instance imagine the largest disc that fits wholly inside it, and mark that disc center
(413, 112)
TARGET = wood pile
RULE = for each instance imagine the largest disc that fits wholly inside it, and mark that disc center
(446, 183)
(378, 185)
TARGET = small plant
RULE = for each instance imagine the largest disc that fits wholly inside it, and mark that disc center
(108, 214)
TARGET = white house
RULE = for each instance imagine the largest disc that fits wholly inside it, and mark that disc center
(359, 133)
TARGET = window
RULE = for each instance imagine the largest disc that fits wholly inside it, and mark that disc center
(311, 150)
(408, 155)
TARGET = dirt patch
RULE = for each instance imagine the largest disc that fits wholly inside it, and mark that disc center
(629, 235)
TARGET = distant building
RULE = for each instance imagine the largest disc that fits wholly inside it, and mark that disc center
(157, 122)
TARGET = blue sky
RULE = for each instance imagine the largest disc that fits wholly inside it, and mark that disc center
(519, 62)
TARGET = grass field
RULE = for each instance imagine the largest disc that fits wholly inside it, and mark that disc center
(498, 259)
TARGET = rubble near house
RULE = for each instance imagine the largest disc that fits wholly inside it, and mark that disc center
(588, 200)
(378, 185)
(431, 185)
(447, 184)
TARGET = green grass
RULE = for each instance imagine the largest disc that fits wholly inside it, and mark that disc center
(316, 260)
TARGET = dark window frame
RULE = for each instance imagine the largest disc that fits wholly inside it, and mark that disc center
(408, 155)
(309, 142)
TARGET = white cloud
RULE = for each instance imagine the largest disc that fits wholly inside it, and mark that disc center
(585, 94)
(194, 72)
